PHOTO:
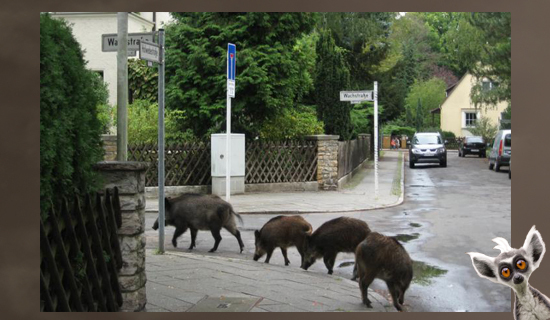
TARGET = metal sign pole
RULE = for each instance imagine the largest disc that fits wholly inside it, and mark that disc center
(231, 60)
(161, 141)
(376, 138)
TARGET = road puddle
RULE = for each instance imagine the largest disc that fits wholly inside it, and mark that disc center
(407, 237)
(423, 273)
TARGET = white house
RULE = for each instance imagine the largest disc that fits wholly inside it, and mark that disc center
(89, 26)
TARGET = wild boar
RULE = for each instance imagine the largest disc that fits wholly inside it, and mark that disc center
(282, 232)
(200, 212)
(338, 235)
(384, 258)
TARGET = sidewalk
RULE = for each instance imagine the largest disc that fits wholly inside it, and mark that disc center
(192, 282)
(356, 195)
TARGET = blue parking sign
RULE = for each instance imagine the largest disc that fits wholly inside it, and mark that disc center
(231, 61)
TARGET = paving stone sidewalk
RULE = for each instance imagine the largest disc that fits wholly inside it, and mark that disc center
(357, 195)
(178, 282)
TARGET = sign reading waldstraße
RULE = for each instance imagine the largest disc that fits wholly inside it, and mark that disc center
(356, 95)
(149, 51)
(109, 42)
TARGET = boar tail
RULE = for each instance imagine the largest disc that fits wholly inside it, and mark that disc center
(238, 216)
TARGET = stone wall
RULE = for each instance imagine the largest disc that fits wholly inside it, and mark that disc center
(129, 177)
(327, 161)
(109, 145)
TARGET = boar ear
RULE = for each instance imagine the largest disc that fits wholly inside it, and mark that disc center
(257, 234)
(484, 266)
(534, 246)
(166, 203)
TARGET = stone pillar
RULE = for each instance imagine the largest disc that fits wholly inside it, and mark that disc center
(109, 145)
(129, 177)
(327, 161)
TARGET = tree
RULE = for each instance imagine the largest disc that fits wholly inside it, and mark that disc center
(483, 127)
(70, 130)
(332, 75)
(424, 97)
(271, 74)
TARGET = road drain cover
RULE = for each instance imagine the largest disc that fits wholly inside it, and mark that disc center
(225, 304)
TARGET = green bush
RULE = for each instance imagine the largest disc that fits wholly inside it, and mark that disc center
(142, 80)
(448, 135)
(292, 124)
(69, 127)
(143, 124)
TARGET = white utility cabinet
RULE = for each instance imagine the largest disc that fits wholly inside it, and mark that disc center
(218, 163)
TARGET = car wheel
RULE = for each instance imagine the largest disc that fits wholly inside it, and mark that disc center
(490, 165)
(481, 155)
(411, 164)
(510, 174)
(444, 164)
(497, 166)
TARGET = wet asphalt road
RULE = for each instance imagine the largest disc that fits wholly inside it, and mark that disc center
(447, 212)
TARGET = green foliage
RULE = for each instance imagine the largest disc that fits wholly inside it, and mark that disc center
(142, 80)
(485, 128)
(106, 116)
(428, 95)
(292, 124)
(448, 135)
(362, 117)
(272, 67)
(69, 127)
(332, 76)
(143, 124)
(391, 129)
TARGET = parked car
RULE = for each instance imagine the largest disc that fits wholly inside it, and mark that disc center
(472, 145)
(427, 147)
(502, 150)
(510, 169)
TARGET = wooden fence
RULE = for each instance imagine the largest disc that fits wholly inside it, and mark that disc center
(80, 256)
(185, 163)
(276, 162)
(351, 154)
(266, 162)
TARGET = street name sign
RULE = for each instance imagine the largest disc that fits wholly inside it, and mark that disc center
(109, 42)
(356, 95)
(149, 51)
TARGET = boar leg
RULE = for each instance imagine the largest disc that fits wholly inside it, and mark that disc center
(395, 294)
(217, 236)
(287, 262)
(179, 231)
(329, 260)
(193, 237)
(234, 231)
(268, 256)
(365, 280)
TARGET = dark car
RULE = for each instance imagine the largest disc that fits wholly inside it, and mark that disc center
(427, 147)
(472, 145)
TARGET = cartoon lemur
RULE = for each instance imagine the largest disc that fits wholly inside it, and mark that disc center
(512, 267)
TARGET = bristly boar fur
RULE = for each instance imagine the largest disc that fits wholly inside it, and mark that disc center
(282, 232)
(384, 258)
(338, 235)
(201, 212)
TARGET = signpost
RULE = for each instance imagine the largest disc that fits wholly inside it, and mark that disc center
(355, 97)
(231, 72)
(153, 52)
(109, 42)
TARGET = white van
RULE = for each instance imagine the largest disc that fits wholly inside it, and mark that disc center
(502, 150)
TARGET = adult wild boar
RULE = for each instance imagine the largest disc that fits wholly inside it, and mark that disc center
(338, 235)
(200, 212)
(384, 258)
(282, 232)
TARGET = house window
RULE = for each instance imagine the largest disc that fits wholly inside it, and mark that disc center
(469, 119)
(487, 85)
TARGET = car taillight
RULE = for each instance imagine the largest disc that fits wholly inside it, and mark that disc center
(500, 148)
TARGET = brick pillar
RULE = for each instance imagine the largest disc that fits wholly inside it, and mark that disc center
(327, 161)
(129, 177)
(109, 145)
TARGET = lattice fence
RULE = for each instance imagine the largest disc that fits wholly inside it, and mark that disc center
(185, 163)
(275, 162)
(80, 256)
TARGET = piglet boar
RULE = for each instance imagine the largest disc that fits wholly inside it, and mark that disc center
(200, 212)
(384, 258)
(282, 232)
(338, 235)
